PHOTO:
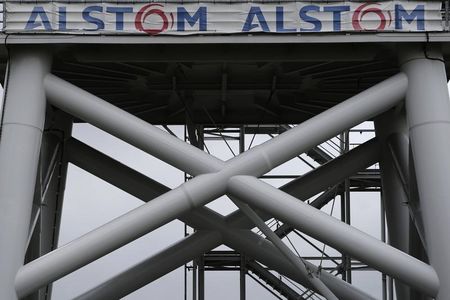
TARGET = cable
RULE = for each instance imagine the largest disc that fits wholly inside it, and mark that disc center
(425, 50)
(5, 88)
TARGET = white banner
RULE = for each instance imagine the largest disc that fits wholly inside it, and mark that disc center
(104, 17)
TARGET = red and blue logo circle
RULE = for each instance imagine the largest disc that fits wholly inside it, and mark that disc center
(368, 8)
(153, 10)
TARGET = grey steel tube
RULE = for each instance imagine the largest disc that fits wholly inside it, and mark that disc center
(21, 135)
(367, 104)
(389, 126)
(118, 174)
(129, 128)
(113, 172)
(335, 233)
(428, 113)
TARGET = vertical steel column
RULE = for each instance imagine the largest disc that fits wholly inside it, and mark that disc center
(201, 278)
(194, 280)
(391, 288)
(243, 269)
(417, 245)
(391, 128)
(347, 203)
(20, 142)
(242, 278)
(197, 134)
(383, 239)
(428, 112)
(343, 267)
(345, 208)
(49, 193)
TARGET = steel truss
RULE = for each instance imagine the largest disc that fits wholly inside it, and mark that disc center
(36, 131)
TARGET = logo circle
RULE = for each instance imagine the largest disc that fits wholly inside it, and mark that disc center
(150, 10)
(363, 10)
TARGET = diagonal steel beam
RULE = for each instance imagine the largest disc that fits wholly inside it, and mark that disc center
(145, 188)
(156, 266)
(200, 190)
(129, 128)
(339, 235)
(318, 203)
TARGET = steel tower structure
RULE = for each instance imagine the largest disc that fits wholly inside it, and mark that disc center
(227, 85)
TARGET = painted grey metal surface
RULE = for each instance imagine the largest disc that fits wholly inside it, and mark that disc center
(129, 128)
(335, 233)
(428, 113)
(192, 194)
(145, 189)
(20, 143)
(391, 127)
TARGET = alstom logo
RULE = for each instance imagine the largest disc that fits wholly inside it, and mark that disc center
(367, 9)
(153, 10)
(156, 18)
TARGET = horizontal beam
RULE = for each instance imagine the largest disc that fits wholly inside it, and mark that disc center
(335, 233)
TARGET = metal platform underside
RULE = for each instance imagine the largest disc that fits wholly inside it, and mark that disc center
(225, 84)
(234, 79)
